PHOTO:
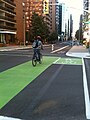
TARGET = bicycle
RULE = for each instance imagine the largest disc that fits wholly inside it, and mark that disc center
(35, 59)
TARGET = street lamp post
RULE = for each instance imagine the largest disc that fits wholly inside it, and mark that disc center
(24, 30)
(24, 27)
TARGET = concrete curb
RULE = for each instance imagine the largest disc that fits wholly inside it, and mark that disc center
(78, 51)
(14, 48)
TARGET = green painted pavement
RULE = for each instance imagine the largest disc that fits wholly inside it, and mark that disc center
(12, 81)
(71, 61)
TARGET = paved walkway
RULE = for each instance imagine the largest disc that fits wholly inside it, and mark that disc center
(78, 51)
(10, 48)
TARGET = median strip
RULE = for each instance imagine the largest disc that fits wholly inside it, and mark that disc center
(59, 49)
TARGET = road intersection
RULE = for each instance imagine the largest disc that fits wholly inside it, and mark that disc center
(55, 93)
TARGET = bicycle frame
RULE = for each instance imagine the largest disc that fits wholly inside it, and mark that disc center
(35, 58)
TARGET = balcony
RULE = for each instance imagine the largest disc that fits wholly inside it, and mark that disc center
(7, 27)
(4, 18)
(10, 2)
(7, 10)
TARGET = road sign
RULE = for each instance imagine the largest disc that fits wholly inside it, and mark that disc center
(88, 22)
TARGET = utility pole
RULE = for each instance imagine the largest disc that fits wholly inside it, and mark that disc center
(24, 30)
(24, 26)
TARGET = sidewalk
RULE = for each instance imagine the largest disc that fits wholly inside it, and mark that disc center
(17, 47)
(78, 51)
(10, 48)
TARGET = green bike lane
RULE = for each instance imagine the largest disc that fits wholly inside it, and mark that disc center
(30, 93)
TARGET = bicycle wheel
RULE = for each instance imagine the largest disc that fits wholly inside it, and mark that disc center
(34, 62)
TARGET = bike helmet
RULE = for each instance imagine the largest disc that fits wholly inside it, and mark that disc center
(39, 37)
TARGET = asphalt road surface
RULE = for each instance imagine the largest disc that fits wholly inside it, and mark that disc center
(57, 94)
(9, 59)
(87, 64)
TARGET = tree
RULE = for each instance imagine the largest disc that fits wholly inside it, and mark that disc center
(79, 34)
(38, 27)
(53, 37)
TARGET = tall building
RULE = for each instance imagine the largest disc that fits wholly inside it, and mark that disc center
(7, 21)
(80, 28)
(65, 22)
(62, 11)
(71, 26)
(37, 6)
(64, 19)
(86, 7)
(54, 15)
(29, 7)
(19, 23)
(11, 22)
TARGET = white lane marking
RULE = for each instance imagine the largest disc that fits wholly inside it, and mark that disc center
(59, 49)
(8, 118)
(86, 93)
(56, 60)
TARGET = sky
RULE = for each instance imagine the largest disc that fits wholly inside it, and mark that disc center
(76, 7)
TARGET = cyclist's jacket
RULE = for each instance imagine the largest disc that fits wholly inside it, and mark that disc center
(37, 44)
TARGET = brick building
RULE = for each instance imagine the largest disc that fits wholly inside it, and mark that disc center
(37, 6)
(11, 22)
(7, 21)
(19, 21)
(15, 19)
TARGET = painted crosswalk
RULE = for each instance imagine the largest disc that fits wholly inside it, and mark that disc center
(71, 61)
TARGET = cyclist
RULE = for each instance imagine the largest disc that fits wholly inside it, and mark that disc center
(37, 46)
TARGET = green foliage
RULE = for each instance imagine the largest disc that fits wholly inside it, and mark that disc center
(38, 27)
(53, 37)
(79, 34)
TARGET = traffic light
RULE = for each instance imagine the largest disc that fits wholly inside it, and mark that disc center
(46, 6)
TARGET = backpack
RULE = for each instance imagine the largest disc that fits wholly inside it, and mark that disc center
(35, 44)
